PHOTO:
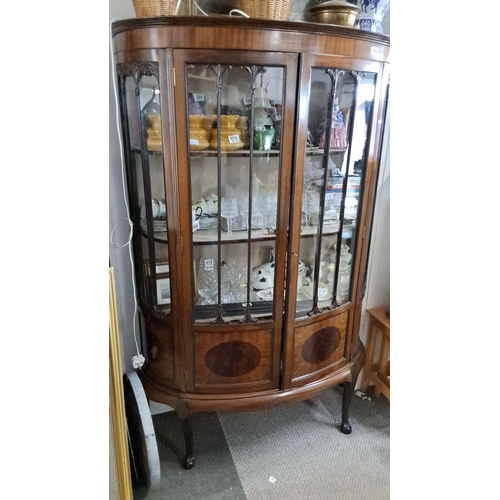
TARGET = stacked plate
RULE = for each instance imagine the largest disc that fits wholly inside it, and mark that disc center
(266, 294)
(309, 290)
(208, 222)
(159, 209)
(158, 225)
(329, 218)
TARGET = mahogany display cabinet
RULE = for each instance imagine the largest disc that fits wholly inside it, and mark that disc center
(251, 152)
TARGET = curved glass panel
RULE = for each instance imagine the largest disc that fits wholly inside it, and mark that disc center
(139, 93)
(339, 111)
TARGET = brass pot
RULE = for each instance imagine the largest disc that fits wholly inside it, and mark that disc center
(335, 12)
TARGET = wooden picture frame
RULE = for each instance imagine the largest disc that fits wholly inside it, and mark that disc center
(163, 290)
(120, 482)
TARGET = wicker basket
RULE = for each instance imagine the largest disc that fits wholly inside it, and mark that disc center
(267, 9)
(152, 8)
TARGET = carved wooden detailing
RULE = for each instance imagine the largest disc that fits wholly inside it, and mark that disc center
(138, 69)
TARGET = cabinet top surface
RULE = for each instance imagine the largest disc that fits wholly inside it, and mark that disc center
(244, 23)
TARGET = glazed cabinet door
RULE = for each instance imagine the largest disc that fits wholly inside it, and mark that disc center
(339, 100)
(235, 127)
(145, 88)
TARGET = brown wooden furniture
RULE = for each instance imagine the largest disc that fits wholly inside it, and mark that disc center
(281, 323)
(376, 370)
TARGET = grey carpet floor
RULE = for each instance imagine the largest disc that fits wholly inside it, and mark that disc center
(214, 475)
(297, 452)
(293, 451)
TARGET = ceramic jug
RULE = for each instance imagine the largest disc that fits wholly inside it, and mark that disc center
(197, 135)
(230, 139)
(262, 276)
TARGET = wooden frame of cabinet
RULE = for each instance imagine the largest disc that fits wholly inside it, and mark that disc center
(290, 358)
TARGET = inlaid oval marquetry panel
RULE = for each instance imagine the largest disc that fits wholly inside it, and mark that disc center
(232, 359)
(320, 345)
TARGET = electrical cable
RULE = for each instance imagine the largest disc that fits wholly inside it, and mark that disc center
(138, 360)
(240, 12)
(200, 9)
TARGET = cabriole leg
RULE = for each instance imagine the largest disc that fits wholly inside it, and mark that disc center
(187, 428)
(345, 426)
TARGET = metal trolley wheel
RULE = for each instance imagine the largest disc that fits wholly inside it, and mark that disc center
(144, 458)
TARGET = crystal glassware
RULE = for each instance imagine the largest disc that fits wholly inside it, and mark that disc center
(257, 215)
(310, 202)
(207, 280)
(231, 275)
(229, 210)
(271, 208)
(243, 207)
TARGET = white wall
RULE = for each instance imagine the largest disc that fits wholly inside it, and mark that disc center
(377, 292)
(378, 278)
(119, 257)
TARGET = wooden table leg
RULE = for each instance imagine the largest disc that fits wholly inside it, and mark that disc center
(370, 347)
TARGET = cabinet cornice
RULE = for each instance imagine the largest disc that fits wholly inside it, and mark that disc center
(223, 32)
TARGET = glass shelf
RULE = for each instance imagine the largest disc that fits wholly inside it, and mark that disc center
(209, 236)
(259, 308)
(212, 153)
(321, 152)
(246, 152)
(137, 149)
(159, 236)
